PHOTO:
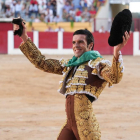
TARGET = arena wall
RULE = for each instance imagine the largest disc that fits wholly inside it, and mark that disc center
(61, 43)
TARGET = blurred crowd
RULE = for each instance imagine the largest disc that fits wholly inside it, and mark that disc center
(80, 10)
(50, 10)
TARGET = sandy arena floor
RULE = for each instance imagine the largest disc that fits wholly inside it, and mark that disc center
(32, 109)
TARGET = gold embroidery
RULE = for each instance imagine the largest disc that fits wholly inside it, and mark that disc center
(63, 62)
(75, 80)
(95, 71)
(100, 89)
(93, 63)
(82, 80)
(81, 67)
(84, 115)
(39, 60)
(68, 84)
(80, 88)
(73, 88)
(87, 125)
(93, 90)
(112, 74)
(87, 88)
(84, 74)
(65, 69)
(86, 132)
(78, 73)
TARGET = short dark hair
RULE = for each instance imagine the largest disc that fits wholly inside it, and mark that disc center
(89, 36)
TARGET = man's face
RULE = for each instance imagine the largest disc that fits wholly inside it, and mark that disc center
(79, 45)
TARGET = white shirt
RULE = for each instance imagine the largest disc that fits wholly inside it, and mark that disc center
(41, 1)
(50, 13)
(18, 7)
(33, 7)
(42, 8)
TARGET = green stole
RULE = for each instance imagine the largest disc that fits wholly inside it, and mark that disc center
(89, 55)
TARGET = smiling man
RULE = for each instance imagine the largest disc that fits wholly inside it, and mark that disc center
(84, 78)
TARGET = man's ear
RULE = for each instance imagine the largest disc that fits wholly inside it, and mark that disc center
(90, 46)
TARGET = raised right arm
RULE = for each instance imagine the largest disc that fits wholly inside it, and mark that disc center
(35, 57)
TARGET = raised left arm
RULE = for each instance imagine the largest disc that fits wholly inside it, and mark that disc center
(120, 46)
(113, 74)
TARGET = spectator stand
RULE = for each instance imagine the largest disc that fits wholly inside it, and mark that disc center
(76, 14)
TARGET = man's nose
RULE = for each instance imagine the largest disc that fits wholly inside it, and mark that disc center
(76, 44)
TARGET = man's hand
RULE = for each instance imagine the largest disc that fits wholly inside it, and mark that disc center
(120, 46)
(24, 35)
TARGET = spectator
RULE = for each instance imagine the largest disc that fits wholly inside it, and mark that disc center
(49, 6)
(71, 19)
(8, 2)
(27, 18)
(80, 7)
(18, 8)
(102, 30)
(12, 7)
(23, 11)
(89, 3)
(2, 7)
(48, 15)
(53, 3)
(42, 8)
(85, 3)
(76, 3)
(65, 16)
(49, 29)
(67, 7)
(32, 2)
(33, 8)
(56, 19)
(59, 29)
(60, 5)
(42, 17)
(72, 12)
(78, 15)
(82, 3)
(85, 15)
(8, 12)
(40, 2)
(95, 4)
(92, 11)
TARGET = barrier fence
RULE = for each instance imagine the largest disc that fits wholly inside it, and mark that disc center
(61, 43)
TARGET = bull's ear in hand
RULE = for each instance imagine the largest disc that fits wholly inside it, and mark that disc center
(18, 21)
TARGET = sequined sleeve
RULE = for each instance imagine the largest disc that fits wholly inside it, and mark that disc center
(35, 57)
(113, 74)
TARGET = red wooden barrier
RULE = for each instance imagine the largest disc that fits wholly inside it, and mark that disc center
(48, 40)
(100, 43)
(18, 40)
(6, 26)
(67, 40)
(3, 42)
